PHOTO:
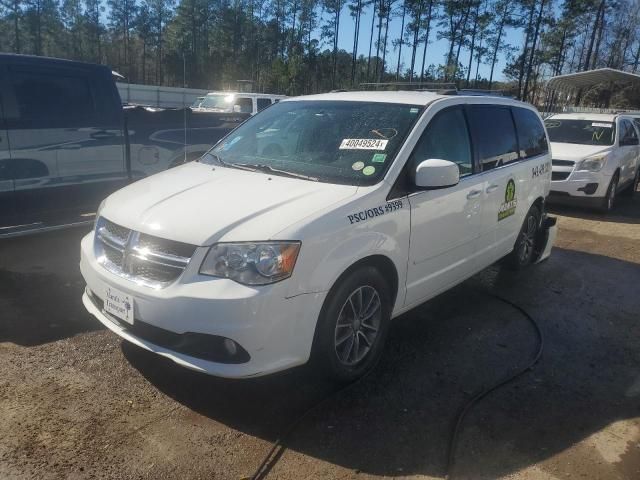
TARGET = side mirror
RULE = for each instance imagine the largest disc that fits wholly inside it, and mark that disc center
(435, 173)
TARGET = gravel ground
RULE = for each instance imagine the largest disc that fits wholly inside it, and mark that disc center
(77, 403)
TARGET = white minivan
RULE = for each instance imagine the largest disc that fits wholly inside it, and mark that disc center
(596, 156)
(269, 252)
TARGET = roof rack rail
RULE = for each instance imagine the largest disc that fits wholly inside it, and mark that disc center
(483, 92)
(416, 86)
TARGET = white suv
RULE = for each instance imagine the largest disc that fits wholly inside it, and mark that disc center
(595, 156)
(255, 259)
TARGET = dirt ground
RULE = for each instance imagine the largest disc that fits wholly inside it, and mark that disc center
(78, 403)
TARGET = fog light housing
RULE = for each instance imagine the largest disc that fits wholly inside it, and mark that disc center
(589, 188)
(230, 346)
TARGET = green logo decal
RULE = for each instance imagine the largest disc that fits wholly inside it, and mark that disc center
(508, 208)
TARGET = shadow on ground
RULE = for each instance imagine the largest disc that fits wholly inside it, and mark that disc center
(398, 420)
(626, 210)
(41, 288)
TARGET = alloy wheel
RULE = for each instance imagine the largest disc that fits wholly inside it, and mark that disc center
(527, 239)
(358, 325)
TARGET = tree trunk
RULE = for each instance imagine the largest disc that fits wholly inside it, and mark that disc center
(461, 38)
(404, 11)
(373, 23)
(473, 42)
(533, 50)
(525, 47)
(416, 36)
(16, 27)
(426, 39)
(587, 62)
(497, 47)
(597, 50)
(356, 37)
(335, 42)
(386, 35)
(380, 17)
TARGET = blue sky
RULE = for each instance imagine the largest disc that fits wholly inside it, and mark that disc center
(435, 52)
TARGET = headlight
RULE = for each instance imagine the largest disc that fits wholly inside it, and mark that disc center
(251, 263)
(95, 221)
(592, 164)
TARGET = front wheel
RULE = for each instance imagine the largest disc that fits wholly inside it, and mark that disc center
(633, 188)
(524, 248)
(353, 325)
(610, 198)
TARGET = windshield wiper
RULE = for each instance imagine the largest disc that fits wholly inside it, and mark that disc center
(239, 166)
(277, 171)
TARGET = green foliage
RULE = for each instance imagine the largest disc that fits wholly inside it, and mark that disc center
(292, 46)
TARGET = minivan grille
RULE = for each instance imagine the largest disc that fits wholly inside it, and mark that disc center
(145, 259)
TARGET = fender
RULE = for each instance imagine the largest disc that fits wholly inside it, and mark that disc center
(319, 267)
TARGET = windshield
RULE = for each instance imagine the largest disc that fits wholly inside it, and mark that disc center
(331, 141)
(584, 132)
(221, 101)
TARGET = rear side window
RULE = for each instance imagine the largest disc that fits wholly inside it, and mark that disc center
(245, 104)
(628, 133)
(445, 138)
(60, 100)
(531, 137)
(494, 135)
(263, 103)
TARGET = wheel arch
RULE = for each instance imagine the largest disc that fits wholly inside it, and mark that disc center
(383, 264)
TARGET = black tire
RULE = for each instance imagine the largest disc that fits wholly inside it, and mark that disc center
(609, 200)
(525, 246)
(631, 190)
(329, 349)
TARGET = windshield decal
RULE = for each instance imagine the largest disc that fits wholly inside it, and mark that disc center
(385, 133)
(375, 212)
(369, 170)
(602, 125)
(363, 144)
(378, 158)
(358, 166)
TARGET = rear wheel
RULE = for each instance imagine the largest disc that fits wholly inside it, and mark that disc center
(609, 200)
(524, 249)
(353, 325)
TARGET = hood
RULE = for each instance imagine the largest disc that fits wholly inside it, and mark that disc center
(200, 204)
(575, 151)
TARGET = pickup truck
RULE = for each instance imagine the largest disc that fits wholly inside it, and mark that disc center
(66, 141)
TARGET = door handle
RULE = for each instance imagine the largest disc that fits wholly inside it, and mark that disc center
(492, 188)
(474, 194)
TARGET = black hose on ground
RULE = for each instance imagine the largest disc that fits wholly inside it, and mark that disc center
(278, 447)
(509, 378)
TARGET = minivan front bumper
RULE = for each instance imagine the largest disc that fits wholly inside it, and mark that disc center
(275, 331)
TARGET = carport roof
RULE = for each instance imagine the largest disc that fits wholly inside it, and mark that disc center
(591, 77)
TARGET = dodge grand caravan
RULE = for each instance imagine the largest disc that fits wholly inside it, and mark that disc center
(302, 233)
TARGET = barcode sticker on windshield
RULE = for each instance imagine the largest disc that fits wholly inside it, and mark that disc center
(363, 144)
(603, 125)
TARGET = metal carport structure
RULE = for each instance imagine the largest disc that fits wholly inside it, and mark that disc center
(574, 84)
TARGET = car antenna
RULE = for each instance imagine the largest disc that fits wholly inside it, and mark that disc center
(184, 102)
